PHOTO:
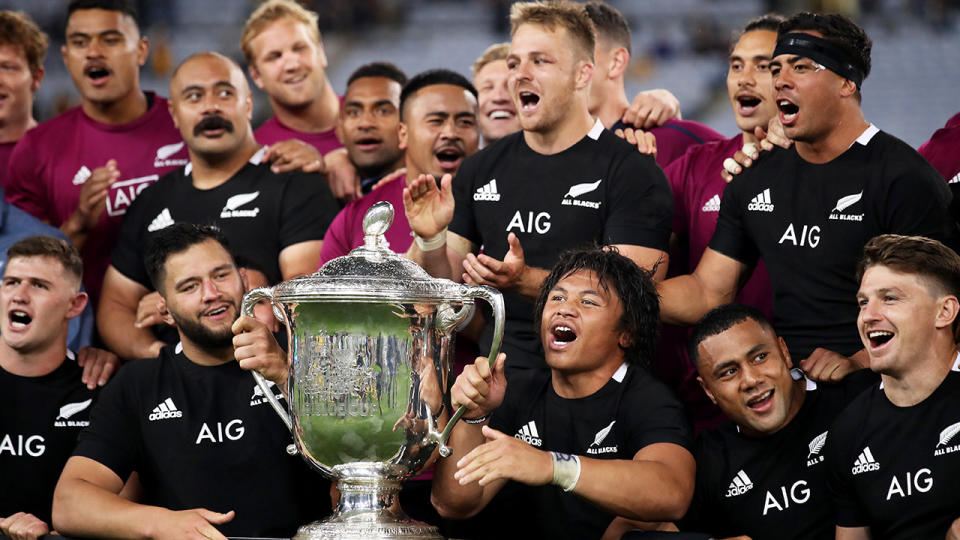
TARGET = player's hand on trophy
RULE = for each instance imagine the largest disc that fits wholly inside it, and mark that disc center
(23, 526)
(502, 275)
(294, 154)
(827, 366)
(255, 348)
(93, 197)
(652, 108)
(504, 457)
(98, 366)
(429, 209)
(645, 141)
(479, 388)
(194, 524)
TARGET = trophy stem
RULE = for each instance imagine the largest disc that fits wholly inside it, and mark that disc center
(368, 508)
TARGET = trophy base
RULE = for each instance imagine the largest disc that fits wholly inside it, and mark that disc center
(326, 530)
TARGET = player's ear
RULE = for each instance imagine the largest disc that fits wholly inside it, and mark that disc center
(167, 318)
(402, 132)
(77, 303)
(949, 309)
(255, 76)
(783, 351)
(706, 390)
(848, 88)
(584, 74)
(244, 279)
(619, 60)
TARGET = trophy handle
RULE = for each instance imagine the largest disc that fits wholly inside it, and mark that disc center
(246, 308)
(495, 299)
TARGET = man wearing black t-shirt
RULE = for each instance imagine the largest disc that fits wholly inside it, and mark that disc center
(808, 209)
(43, 402)
(598, 424)
(564, 181)
(894, 463)
(275, 221)
(209, 451)
(763, 474)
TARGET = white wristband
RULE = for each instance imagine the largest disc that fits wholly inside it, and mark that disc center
(432, 243)
(566, 470)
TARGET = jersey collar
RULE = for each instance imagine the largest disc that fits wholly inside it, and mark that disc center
(255, 159)
(596, 130)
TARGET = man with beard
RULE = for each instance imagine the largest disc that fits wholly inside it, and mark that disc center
(437, 130)
(562, 181)
(807, 210)
(208, 454)
(277, 221)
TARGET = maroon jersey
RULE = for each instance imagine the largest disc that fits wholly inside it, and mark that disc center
(272, 131)
(53, 160)
(675, 137)
(5, 150)
(943, 150)
(346, 231)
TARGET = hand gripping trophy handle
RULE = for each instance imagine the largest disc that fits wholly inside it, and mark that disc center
(250, 300)
(495, 299)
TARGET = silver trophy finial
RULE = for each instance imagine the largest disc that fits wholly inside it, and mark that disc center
(378, 219)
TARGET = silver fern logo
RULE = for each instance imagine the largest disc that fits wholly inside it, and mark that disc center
(817, 444)
(948, 435)
(598, 439)
(71, 409)
(231, 208)
(842, 204)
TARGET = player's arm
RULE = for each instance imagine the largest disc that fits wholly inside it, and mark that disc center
(715, 281)
(647, 258)
(87, 502)
(853, 533)
(117, 317)
(300, 259)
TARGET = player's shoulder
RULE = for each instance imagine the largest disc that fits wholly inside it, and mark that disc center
(858, 412)
(53, 129)
(640, 385)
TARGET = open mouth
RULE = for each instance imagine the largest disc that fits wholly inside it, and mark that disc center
(217, 311)
(562, 335)
(529, 100)
(449, 157)
(296, 79)
(748, 104)
(96, 74)
(19, 319)
(879, 338)
(762, 401)
(501, 114)
(368, 143)
(788, 110)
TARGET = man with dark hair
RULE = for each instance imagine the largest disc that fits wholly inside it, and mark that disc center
(43, 403)
(762, 474)
(895, 458)
(276, 221)
(608, 95)
(23, 47)
(368, 121)
(597, 424)
(210, 456)
(561, 182)
(813, 205)
(121, 138)
(437, 129)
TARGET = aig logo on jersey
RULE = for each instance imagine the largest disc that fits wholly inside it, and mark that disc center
(598, 439)
(579, 190)
(761, 202)
(487, 192)
(232, 208)
(528, 434)
(842, 204)
(947, 435)
(122, 194)
(865, 462)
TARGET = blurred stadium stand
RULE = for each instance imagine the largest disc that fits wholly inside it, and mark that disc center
(677, 44)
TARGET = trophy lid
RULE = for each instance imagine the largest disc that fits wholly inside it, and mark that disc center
(370, 273)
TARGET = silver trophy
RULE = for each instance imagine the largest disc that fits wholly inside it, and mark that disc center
(370, 339)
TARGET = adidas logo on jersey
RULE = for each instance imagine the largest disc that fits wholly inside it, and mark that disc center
(713, 205)
(762, 202)
(955, 179)
(233, 203)
(487, 192)
(947, 435)
(528, 434)
(598, 439)
(865, 462)
(166, 409)
(741, 484)
(70, 409)
(81, 175)
(815, 446)
(162, 221)
(842, 204)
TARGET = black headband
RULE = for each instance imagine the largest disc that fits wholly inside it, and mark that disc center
(821, 51)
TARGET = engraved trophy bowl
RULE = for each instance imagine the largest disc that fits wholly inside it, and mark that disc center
(370, 360)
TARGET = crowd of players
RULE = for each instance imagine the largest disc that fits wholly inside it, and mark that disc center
(825, 400)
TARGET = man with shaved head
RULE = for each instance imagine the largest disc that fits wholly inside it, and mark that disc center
(275, 222)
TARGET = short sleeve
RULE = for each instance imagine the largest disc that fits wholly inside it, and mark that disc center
(463, 222)
(111, 438)
(308, 208)
(918, 204)
(701, 516)
(24, 186)
(640, 204)
(730, 238)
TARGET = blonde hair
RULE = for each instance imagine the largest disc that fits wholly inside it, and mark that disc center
(497, 51)
(19, 30)
(570, 16)
(274, 10)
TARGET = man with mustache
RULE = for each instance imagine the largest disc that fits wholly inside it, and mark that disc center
(276, 221)
(209, 451)
(562, 181)
(437, 130)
